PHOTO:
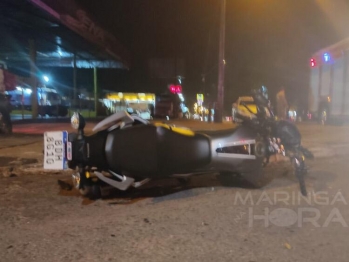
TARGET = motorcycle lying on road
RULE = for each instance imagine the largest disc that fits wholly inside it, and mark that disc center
(127, 151)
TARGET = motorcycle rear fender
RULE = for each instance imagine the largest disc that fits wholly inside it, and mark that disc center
(121, 116)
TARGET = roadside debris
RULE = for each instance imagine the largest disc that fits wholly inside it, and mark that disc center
(288, 246)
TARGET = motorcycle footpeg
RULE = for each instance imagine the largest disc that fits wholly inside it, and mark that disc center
(123, 185)
(141, 183)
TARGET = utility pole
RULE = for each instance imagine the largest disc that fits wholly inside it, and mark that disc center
(74, 81)
(95, 88)
(221, 63)
(33, 76)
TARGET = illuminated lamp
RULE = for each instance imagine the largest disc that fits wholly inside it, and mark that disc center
(173, 89)
(178, 89)
(312, 62)
(327, 57)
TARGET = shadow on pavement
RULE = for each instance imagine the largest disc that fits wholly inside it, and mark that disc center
(161, 190)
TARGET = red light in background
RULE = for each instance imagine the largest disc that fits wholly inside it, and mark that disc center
(178, 89)
(312, 62)
(175, 89)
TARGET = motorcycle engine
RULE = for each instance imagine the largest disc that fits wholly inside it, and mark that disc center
(288, 133)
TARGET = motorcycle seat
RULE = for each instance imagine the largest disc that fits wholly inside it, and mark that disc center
(150, 150)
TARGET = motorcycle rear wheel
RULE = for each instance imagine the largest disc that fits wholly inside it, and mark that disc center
(91, 190)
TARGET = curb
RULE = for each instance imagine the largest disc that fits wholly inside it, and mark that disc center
(50, 120)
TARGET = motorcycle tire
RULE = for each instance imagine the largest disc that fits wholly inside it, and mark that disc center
(93, 191)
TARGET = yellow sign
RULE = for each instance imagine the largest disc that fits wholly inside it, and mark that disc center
(131, 97)
(200, 97)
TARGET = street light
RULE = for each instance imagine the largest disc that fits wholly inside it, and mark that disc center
(221, 64)
(46, 78)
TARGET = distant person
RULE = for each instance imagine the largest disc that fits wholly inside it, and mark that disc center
(281, 104)
(5, 120)
(264, 91)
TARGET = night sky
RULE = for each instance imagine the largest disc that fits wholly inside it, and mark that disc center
(268, 42)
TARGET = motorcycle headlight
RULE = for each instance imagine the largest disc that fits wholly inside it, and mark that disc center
(77, 121)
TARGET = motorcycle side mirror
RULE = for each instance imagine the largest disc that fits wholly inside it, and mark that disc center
(78, 122)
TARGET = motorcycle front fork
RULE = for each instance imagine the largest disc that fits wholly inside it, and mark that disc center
(298, 161)
(300, 171)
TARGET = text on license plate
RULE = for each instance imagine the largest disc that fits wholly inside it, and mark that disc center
(55, 150)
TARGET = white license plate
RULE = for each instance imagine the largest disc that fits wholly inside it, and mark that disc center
(55, 150)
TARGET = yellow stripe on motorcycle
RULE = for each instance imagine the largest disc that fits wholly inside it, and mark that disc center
(182, 131)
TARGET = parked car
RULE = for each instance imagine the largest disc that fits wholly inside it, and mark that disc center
(244, 105)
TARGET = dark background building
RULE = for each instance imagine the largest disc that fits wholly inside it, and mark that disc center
(268, 42)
